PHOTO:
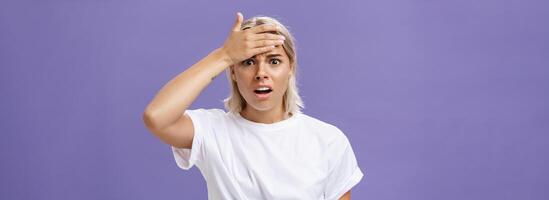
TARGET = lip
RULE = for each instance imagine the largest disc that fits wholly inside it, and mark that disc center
(263, 96)
(264, 86)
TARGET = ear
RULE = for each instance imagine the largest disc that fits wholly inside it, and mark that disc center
(292, 66)
(231, 70)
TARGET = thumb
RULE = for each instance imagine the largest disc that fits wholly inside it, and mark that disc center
(238, 22)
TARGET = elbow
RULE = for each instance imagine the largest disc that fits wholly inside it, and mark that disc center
(148, 120)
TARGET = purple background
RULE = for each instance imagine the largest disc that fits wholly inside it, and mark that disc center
(440, 99)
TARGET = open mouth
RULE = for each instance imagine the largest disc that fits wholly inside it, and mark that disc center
(263, 91)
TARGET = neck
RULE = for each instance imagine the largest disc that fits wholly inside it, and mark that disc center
(264, 116)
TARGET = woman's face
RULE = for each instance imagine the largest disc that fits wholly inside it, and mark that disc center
(270, 71)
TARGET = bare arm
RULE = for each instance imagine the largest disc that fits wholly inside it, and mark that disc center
(177, 95)
(163, 116)
(346, 196)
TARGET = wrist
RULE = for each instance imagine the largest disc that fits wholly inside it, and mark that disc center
(222, 54)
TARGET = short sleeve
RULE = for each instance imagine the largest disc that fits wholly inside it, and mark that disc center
(344, 173)
(201, 119)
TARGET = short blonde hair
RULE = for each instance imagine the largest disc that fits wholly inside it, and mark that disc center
(291, 100)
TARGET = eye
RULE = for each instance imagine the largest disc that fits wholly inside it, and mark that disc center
(275, 61)
(247, 62)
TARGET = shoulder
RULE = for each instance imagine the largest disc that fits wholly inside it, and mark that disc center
(206, 113)
(329, 133)
(330, 140)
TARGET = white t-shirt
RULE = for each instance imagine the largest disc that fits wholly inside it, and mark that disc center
(298, 158)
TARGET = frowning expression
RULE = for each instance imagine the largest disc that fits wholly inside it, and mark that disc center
(263, 79)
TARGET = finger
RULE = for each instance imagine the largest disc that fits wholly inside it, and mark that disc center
(266, 36)
(264, 28)
(263, 43)
(261, 50)
(238, 22)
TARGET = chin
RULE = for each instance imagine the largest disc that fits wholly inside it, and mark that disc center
(261, 107)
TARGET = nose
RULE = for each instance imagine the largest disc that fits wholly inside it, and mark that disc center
(261, 74)
(259, 77)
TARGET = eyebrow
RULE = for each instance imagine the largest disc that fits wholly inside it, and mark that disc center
(270, 55)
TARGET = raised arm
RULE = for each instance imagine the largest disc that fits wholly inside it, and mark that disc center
(164, 114)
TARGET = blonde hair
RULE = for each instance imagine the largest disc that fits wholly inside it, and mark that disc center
(291, 100)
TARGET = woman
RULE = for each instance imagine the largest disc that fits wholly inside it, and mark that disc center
(263, 147)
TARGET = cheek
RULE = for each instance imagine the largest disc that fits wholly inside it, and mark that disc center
(241, 86)
(239, 77)
(283, 84)
(243, 75)
(241, 81)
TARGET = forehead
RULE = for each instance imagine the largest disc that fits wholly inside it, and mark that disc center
(277, 50)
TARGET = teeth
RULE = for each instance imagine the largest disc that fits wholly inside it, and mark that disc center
(263, 88)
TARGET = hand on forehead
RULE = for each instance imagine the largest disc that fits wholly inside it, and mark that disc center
(263, 28)
(278, 50)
